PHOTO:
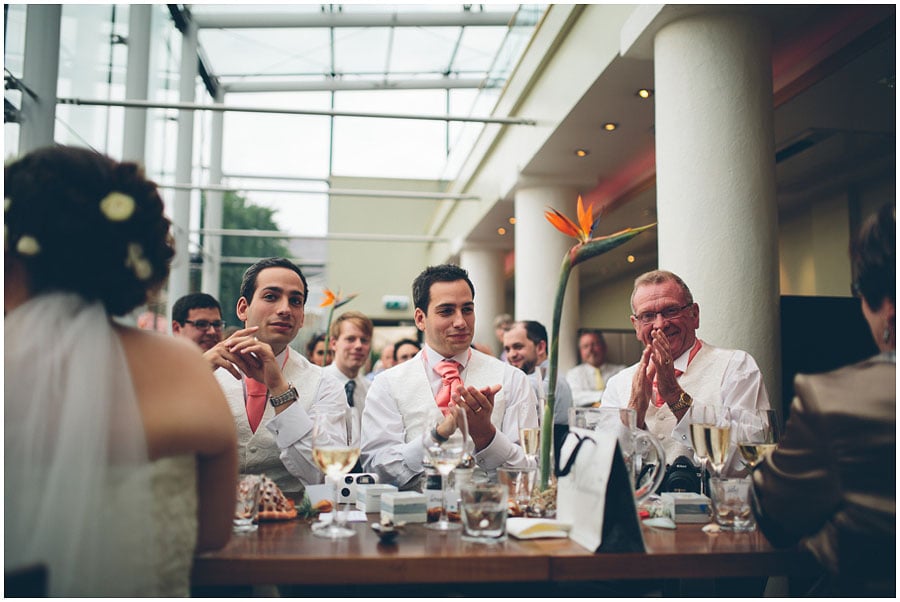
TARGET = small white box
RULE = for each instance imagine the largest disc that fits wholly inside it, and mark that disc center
(368, 497)
(687, 507)
(403, 507)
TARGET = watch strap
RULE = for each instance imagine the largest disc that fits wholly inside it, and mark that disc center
(286, 397)
(684, 402)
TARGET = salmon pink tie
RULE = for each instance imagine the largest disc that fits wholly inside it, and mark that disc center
(449, 371)
(257, 393)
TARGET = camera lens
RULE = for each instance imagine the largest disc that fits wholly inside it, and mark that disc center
(348, 479)
(345, 492)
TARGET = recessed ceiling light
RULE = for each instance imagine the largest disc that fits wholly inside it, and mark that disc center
(630, 258)
(645, 93)
(501, 231)
(610, 126)
(582, 152)
(512, 221)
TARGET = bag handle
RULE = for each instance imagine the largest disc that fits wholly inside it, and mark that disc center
(564, 471)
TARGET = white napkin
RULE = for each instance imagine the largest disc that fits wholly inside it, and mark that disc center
(534, 528)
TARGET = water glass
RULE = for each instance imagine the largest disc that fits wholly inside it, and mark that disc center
(249, 490)
(520, 484)
(731, 503)
(484, 509)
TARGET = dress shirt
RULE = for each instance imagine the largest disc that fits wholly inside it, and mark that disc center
(726, 376)
(391, 443)
(583, 381)
(362, 385)
(283, 450)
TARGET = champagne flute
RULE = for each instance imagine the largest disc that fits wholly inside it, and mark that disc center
(335, 451)
(711, 434)
(445, 452)
(758, 434)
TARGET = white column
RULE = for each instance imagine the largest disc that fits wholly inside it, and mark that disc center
(540, 249)
(40, 72)
(181, 212)
(212, 216)
(485, 267)
(716, 179)
(136, 82)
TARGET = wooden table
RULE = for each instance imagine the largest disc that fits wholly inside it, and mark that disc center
(288, 553)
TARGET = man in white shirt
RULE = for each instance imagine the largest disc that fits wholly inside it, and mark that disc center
(351, 342)
(588, 379)
(268, 384)
(496, 397)
(677, 368)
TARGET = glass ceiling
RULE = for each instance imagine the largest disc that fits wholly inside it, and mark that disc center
(356, 58)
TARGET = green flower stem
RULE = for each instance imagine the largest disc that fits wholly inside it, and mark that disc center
(575, 255)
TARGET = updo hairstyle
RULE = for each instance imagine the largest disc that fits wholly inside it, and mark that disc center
(81, 222)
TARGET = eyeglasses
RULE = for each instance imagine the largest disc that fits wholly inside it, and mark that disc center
(669, 313)
(205, 324)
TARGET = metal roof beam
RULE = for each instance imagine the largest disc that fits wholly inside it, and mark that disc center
(257, 20)
(332, 85)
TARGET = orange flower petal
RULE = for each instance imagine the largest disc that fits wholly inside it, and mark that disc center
(329, 298)
(562, 223)
(585, 218)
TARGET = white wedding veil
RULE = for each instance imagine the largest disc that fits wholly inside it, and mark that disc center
(77, 485)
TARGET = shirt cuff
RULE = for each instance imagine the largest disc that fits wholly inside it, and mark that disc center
(496, 453)
(290, 426)
(413, 453)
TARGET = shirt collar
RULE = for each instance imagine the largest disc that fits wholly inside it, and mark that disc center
(432, 357)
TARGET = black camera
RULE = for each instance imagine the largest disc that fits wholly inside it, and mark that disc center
(682, 476)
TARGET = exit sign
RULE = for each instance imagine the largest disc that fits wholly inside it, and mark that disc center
(395, 302)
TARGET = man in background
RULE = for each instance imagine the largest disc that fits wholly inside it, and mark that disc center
(198, 317)
(525, 344)
(351, 342)
(588, 379)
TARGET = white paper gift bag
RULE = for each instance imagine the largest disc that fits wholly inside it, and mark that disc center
(595, 493)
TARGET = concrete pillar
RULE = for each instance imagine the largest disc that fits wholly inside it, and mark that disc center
(181, 212)
(540, 249)
(485, 267)
(716, 179)
(40, 73)
(212, 216)
(136, 82)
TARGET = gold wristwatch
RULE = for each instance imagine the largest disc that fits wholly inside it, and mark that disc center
(684, 402)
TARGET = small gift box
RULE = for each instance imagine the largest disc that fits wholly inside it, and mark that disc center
(368, 497)
(403, 507)
(687, 507)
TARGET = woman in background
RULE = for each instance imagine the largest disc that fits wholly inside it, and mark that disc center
(120, 459)
(831, 481)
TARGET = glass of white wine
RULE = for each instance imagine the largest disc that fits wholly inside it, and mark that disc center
(335, 451)
(758, 434)
(445, 451)
(711, 434)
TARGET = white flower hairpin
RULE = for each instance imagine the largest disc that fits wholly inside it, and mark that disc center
(28, 245)
(117, 206)
(137, 262)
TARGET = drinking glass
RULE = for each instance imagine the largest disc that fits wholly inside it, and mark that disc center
(335, 451)
(445, 454)
(711, 434)
(758, 434)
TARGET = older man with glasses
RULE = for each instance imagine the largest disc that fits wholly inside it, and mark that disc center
(198, 317)
(676, 367)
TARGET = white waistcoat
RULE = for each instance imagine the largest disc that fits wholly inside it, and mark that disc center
(258, 452)
(410, 387)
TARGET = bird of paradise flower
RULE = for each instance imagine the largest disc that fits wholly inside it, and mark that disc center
(586, 248)
(333, 300)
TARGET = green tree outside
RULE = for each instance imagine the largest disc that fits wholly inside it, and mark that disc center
(239, 214)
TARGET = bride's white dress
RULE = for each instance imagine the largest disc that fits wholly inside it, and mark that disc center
(80, 493)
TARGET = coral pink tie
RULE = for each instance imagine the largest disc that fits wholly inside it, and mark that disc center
(256, 402)
(449, 371)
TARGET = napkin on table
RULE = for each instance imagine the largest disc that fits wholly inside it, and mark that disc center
(534, 528)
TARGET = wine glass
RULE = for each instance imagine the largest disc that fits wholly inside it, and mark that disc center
(711, 434)
(758, 434)
(335, 451)
(445, 452)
